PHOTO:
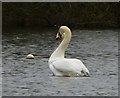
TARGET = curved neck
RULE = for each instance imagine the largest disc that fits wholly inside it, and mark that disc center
(59, 52)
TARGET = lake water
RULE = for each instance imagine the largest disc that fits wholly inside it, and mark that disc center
(98, 49)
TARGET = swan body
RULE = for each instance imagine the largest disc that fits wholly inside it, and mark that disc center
(61, 66)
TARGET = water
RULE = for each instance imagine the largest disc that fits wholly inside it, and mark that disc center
(32, 77)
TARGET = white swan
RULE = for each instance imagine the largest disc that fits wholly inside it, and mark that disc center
(61, 66)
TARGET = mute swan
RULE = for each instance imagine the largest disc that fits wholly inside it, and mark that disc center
(61, 66)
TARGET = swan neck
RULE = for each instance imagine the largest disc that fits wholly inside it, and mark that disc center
(66, 40)
(59, 52)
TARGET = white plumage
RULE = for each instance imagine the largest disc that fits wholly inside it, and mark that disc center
(61, 66)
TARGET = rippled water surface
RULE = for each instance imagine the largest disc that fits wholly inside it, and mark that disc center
(23, 77)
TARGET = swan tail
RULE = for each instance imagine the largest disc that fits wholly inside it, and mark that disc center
(85, 72)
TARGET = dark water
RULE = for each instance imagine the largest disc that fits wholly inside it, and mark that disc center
(23, 77)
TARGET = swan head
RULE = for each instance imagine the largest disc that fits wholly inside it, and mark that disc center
(61, 33)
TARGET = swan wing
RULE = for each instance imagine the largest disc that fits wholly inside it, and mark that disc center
(69, 65)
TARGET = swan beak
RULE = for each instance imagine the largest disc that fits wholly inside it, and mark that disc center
(58, 38)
